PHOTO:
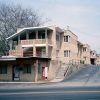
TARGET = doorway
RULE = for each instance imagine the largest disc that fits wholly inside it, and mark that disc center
(92, 61)
(16, 73)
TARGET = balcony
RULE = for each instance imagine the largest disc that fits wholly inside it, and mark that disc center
(16, 53)
(36, 41)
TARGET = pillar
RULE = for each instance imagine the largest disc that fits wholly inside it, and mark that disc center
(27, 35)
(18, 39)
(10, 43)
(36, 34)
(46, 42)
(34, 51)
(36, 71)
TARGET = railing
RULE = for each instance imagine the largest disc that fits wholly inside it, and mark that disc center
(35, 41)
(28, 54)
(15, 53)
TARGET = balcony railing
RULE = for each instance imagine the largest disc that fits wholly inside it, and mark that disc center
(35, 41)
(16, 53)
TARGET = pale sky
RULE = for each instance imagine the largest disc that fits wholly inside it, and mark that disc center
(82, 16)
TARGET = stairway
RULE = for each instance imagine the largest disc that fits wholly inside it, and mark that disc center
(60, 73)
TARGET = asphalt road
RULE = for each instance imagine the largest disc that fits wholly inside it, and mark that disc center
(44, 93)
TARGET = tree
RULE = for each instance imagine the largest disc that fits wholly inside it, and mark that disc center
(13, 17)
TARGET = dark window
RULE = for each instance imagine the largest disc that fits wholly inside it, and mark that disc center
(84, 49)
(41, 34)
(66, 38)
(67, 53)
(3, 69)
(27, 68)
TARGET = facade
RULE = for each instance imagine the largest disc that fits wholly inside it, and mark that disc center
(36, 53)
(93, 57)
(86, 54)
(98, 59)
(68, 51)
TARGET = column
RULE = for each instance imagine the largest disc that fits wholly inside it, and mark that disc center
(46, 42)
(27, 35)
(10, 43)
(36, 34)
(34, 51)
(18, 39)
(45, 33)
(36, 71)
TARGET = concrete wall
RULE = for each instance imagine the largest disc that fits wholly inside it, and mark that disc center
(8, 76)
(53, 68)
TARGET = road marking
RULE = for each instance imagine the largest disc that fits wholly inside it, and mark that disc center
(52, 92)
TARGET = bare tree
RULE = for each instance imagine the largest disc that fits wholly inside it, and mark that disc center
(13, 17)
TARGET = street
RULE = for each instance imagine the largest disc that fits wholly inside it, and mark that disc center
(61, 93)
(83, 85)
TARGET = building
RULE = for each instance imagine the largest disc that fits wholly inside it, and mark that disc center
(93, 57)
(98, 59)
(36, 53)
(33, 54)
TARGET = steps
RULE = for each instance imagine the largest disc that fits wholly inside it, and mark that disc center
(60, 74)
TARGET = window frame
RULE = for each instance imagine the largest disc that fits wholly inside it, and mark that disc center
(66, 38)
(27, 68)
(67, 53)
(3, 69)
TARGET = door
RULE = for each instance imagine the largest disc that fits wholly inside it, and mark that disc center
(43, 52)
(43, 73)
(16, 72)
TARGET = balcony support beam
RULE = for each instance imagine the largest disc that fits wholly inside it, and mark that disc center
(45, 33)
(36, 71)
(18, 39)
(27, 35)
(10, 43)
(34, 51)
(46, 42)
(36, 34)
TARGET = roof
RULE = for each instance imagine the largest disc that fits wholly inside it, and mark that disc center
(7, 58)
(28, 28)
(80, 43)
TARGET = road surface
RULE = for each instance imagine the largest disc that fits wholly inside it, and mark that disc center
(59, 93)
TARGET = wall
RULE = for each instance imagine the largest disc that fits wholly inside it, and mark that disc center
(8, 76)
(71, 45)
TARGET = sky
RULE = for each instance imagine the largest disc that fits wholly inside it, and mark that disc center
(82, 17)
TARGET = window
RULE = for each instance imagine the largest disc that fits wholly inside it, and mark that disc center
(57, 53)
(27, 68)
(66, 39)
(84, 49)
(66, 53)
(57, 37)
(84, 58)
(3, 69)
(41, 34)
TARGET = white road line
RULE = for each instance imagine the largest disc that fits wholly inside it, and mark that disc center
(54, 92)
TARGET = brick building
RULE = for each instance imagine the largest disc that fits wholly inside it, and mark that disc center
(36, 53)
